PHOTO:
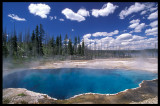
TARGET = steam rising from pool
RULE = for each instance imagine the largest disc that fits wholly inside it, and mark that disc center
(67, 82)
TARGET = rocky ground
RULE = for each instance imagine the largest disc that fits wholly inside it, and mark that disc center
(148, 101)
(22, 96)
(147, 93)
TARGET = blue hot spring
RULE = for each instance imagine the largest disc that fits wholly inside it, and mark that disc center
(67, 82)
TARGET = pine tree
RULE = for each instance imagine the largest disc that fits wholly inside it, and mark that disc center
(70, 49)
(78, 40)
(41, 35)
(33, 45)
(79, 46)
(65, 45)
(28, 44)
(20, 37)
(82, 51)
(33, 41)
(5, 51)
(52, 46)
(75, 45)
(4, 37)
(4, 45)
(20, 45)
(57, 45)
(10, 49)
(60, 45)
(37, 40)
(79, 49)
(14, 46)
(33, 37)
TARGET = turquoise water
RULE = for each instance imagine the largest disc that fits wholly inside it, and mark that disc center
(68, 82)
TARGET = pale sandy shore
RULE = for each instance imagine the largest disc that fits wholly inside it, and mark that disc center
(147, 64)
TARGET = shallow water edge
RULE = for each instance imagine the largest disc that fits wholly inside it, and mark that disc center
(142, 89)
(110, 94)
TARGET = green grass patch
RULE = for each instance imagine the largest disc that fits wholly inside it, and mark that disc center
(21, 94)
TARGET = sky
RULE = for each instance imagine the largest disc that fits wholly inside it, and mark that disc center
(102, 25)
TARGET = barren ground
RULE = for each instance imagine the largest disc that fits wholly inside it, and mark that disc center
(148, 64)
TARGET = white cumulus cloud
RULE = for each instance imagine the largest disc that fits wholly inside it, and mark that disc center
(96, 34)
(153, 15)
(69, 14)
(153, 31)
(123, 41)
(125, 36)
(87, 36)
(105, 10)
(136, 38)
(139, 27)
(136, 25)
(105, 38)
(132, 9)
(143, 12)
(153, 9)
(83, 12)
(39, 9)
(135, 21)
(15, 17)
(154, 23)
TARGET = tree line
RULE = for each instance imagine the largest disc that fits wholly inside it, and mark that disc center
(38, 45)
(41, 44)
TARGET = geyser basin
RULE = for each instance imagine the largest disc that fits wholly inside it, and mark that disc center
(68, 82)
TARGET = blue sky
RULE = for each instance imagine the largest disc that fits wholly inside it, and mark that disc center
(123, 25)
